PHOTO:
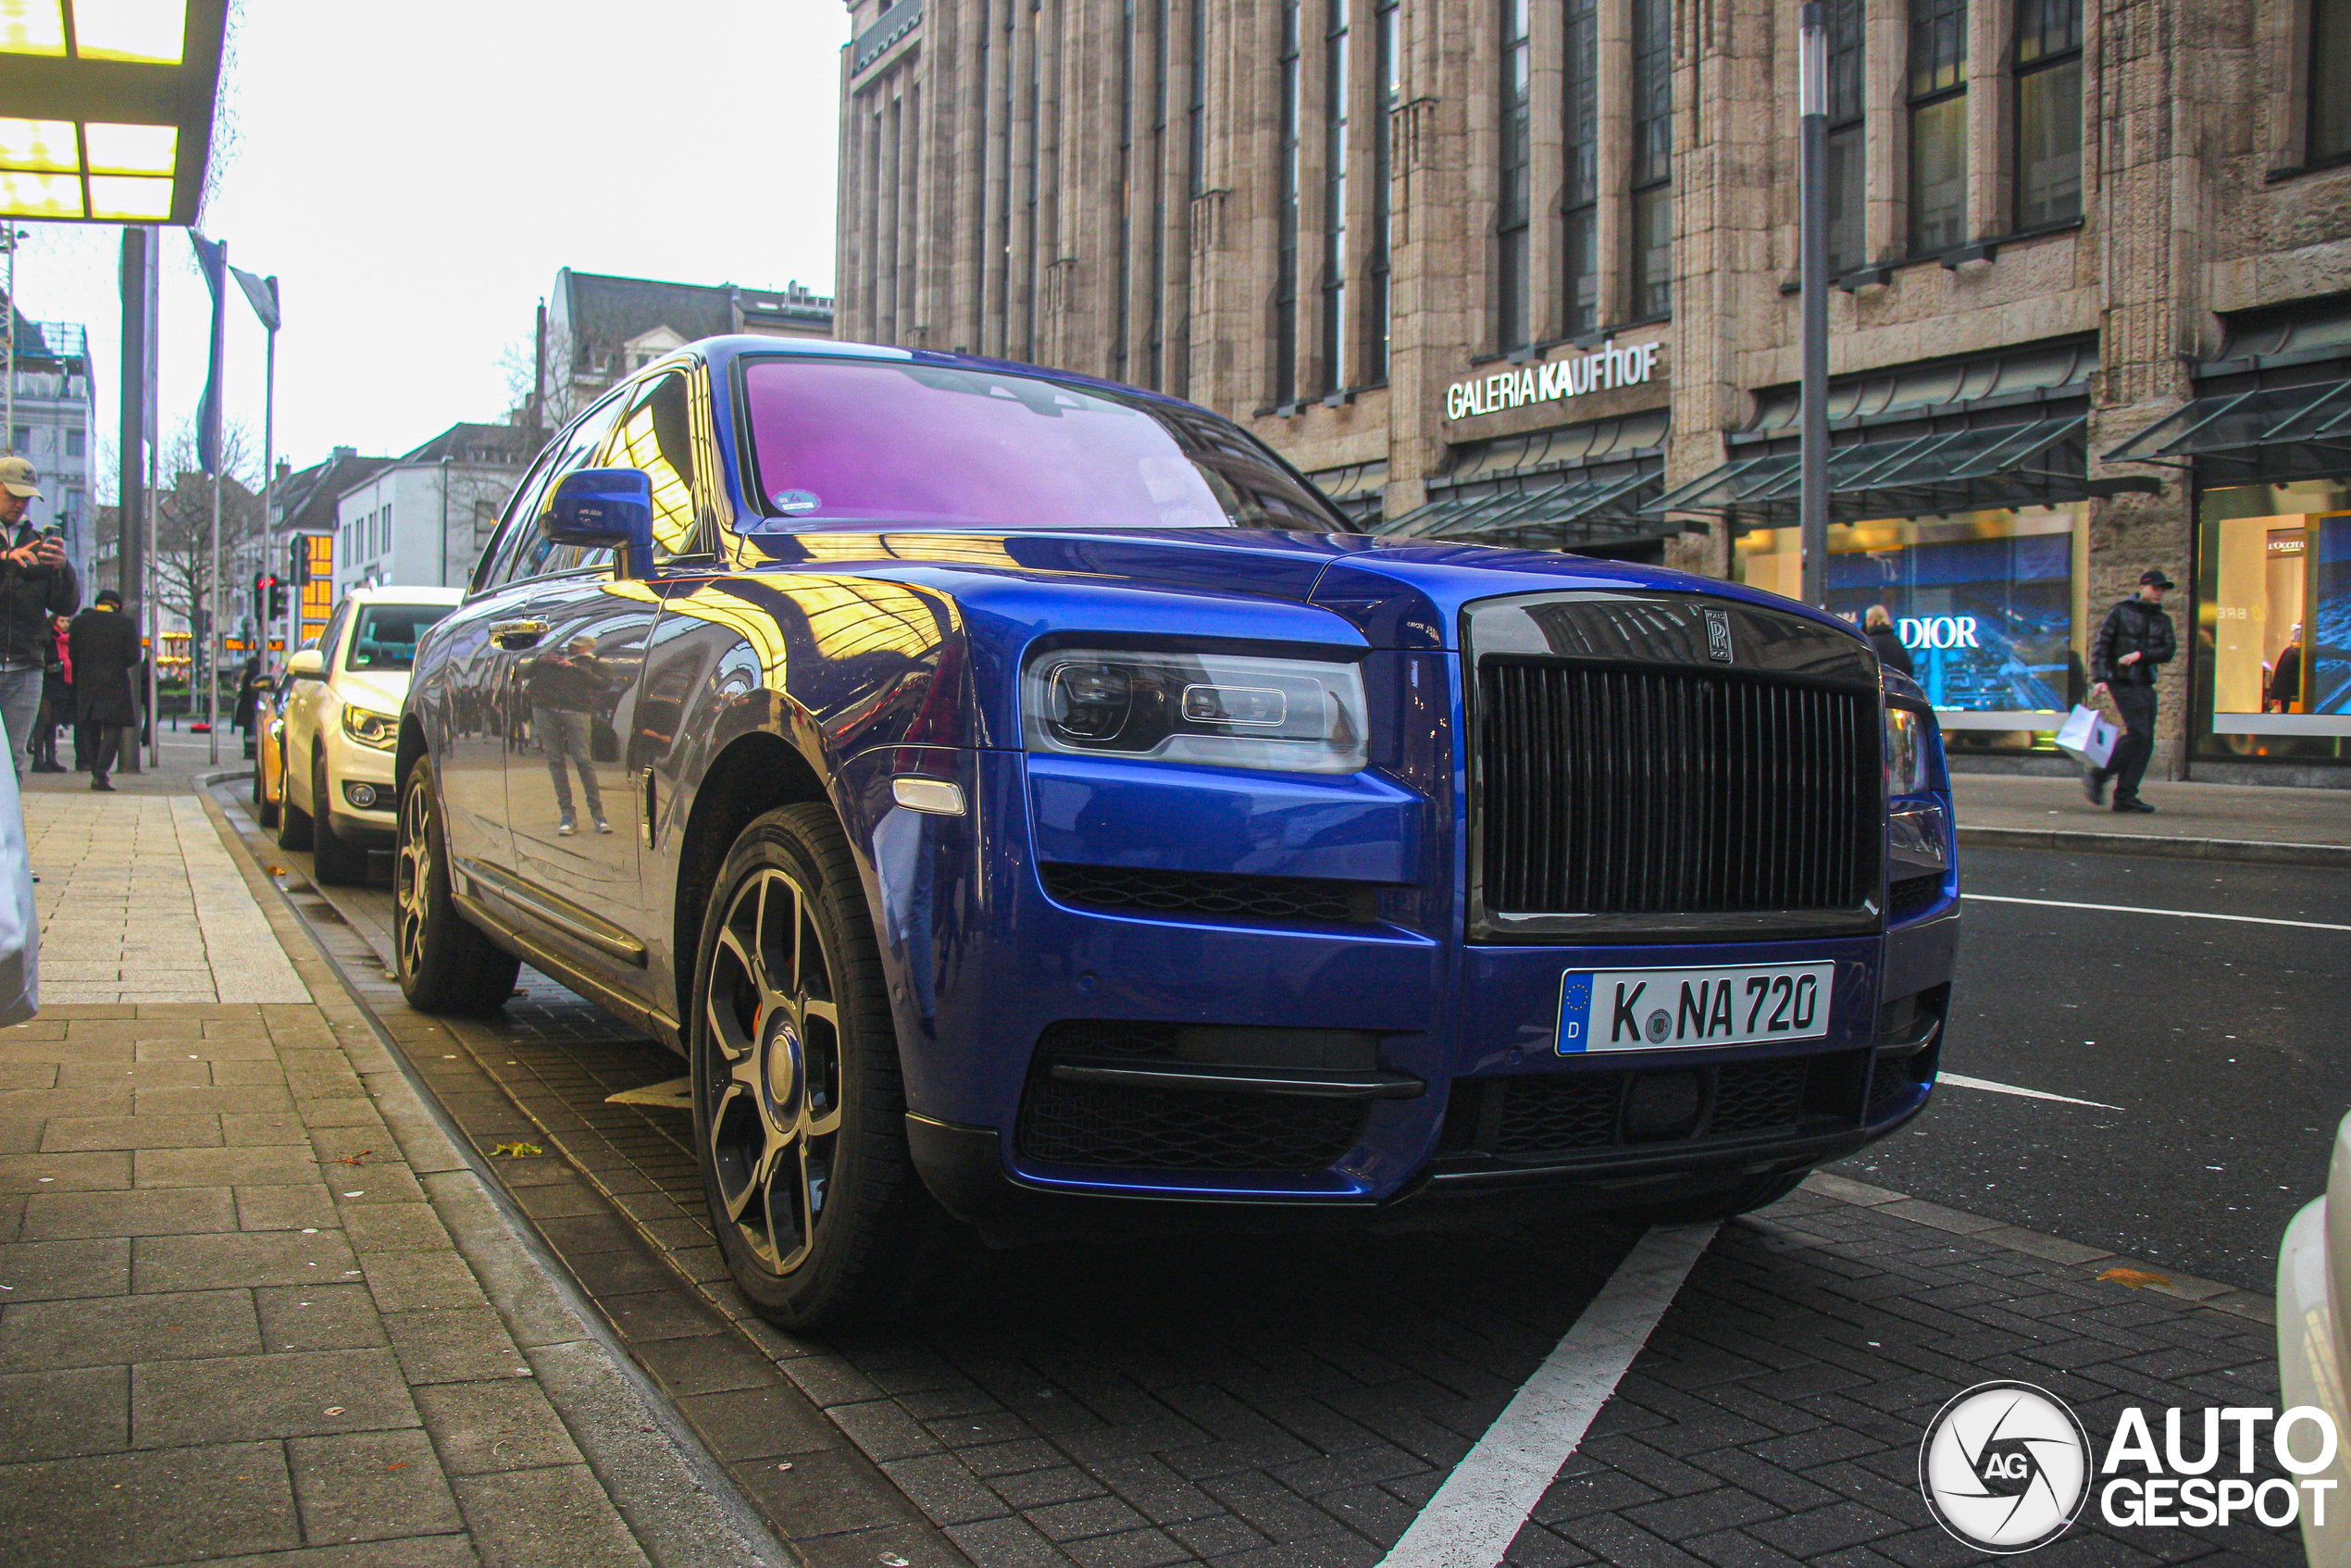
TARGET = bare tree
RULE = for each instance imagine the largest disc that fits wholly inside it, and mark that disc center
(183, 504)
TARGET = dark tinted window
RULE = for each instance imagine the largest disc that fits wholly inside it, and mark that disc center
(386, 636)
(847, 440)
(524, 552)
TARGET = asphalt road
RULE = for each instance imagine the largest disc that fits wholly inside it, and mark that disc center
(2225, 1047)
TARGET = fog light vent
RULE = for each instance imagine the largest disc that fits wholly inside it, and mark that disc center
(364, 796)
(1661, 1105)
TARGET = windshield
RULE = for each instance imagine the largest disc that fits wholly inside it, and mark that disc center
(386, 638)
(850, 441)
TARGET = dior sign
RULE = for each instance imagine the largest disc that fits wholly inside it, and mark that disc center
(1562, 379)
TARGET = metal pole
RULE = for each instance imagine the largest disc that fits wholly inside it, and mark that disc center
(269, 489)
(13, 235)
(130, 529)
(444, 519)
(211, 650)
(1812, 513)
(150, 281)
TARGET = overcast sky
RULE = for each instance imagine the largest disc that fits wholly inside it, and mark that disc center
(415, 174)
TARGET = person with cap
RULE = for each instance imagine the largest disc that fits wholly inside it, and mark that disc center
(2134, 638)
(36, 586)
(105, 652)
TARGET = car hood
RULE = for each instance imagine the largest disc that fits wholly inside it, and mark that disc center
(1404, 593)
(383, 691)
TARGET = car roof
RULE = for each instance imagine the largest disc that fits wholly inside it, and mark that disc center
(736, 345)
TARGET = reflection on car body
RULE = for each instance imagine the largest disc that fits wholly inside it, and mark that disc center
(1033, 808)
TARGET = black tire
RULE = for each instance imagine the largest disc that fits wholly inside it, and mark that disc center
(335, 862)
(447, 966)
(1757, 1192)
(293, 823)
(799, 1108)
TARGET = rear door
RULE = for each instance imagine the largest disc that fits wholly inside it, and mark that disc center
(474, 718)
(582, 681)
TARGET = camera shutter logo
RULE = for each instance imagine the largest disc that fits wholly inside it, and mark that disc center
(2005, 1467)
(1718, 636)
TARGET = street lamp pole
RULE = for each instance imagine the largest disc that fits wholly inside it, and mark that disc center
(9, 235)
(1812, 507)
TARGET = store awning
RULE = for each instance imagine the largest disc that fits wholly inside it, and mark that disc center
(2269, 432)
(1565, 513)
(2029, 462)
(106, 108)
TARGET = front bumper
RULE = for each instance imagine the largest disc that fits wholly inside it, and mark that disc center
(1009, 997)
(350, 765)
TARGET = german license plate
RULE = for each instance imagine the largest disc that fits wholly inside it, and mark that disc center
(1663, 1009)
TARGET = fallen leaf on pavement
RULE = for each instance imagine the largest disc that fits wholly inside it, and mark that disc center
(515, 1150)
(334, 1410)
(2136, 1278)
(353, 1159)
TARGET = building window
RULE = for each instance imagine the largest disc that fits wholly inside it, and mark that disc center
(1846, 173)
(1580, 185)
(1122, 291)
(1939, 125)
(73, 443)
(1335, 87)
(2330, 80)
(1652, 159)
(2049, 112)
(1286, 227)
(1387, 86)
(1513, 323)
(1195, 112)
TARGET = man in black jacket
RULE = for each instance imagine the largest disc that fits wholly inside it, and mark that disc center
(106, 651)
(2134, 638)
(36, 586)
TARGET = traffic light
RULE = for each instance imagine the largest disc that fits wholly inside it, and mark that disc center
(300, 573)
(269, 596)
(276, 600)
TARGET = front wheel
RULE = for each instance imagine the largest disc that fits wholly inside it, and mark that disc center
(293, 823)
(265, 809)
(799, 1110)
(445, 964)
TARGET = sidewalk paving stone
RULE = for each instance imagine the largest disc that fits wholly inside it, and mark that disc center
(235, 1321)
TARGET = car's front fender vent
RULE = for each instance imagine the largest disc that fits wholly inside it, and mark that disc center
(1209, 895)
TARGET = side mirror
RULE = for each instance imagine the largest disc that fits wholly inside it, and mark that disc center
(606, 509)
(306, 664)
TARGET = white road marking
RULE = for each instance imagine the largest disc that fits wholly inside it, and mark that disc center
(1480, 1508)
(2175, 914)
(1961, 1080)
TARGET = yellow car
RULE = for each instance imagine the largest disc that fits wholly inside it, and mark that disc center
(268, 749)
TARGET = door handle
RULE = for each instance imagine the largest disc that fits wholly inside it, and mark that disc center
(518, 634)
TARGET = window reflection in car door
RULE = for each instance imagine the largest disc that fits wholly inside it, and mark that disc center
(581, 683)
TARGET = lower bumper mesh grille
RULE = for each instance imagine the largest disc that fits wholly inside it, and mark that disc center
(1157, 1129)
(1210, 895)
(1545, 1115)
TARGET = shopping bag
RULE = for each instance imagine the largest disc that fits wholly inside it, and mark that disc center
(19, 926)
(2088, 736)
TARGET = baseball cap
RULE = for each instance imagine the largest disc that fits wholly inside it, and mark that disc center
(2155, 575)
(17, 478)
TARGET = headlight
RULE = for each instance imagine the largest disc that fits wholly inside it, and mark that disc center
(1911, 745)
(372, 729)
(1225, 710)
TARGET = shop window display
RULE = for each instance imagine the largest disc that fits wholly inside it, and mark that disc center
(2274, 622)
(1985, 603)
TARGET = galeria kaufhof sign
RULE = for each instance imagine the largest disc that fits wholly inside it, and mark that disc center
(1555, 383)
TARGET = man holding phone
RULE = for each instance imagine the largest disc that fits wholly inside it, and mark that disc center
(36, 586)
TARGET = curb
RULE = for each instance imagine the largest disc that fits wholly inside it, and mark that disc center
(622, 1428)
(2266, 852)
(2049, 1248)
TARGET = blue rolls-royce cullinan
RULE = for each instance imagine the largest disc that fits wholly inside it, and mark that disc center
(1024, 803)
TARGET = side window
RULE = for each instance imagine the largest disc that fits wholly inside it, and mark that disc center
(656, 435)
(331, 638)
(535, 555)
(522, 520)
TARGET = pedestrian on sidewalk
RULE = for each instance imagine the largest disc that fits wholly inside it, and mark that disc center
(56, 698)
(106, 651)
(35, 585)
(2134, 638)
(1879, 624)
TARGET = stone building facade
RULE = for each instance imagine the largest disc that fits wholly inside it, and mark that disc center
(1523, 271)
